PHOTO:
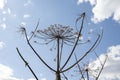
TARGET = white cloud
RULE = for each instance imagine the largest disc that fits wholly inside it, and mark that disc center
(31, 79)
(27, 3)
(80, 1)
(4, 12)
(3, 26)
(111, 69)
(43, 79)
(92, 2)
(104, 9)
(3, 19)
(9, 11)
(2, 4)
(26, 16)
(2, 44)
(6, 73)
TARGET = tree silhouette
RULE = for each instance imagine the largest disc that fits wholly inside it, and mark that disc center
(63, 36)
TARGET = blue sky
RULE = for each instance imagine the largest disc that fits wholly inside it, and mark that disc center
(99, 13)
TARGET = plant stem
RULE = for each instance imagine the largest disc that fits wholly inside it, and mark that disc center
(26, 64)
(58, 60)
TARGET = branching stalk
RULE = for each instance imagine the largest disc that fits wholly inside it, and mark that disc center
(92, 47)
(65, 76)
(62, 35)
(102, 67)
(34, 31)
(37, 53)
(79, 34)
(58, 77)
(82, 76)
(26, 64)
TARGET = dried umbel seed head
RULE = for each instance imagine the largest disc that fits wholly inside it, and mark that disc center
(22, 30)
(53, 32)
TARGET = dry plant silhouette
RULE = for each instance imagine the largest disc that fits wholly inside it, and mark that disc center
(63, 36)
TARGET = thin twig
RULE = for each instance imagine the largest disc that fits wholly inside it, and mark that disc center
(98, 58)
(102, 67)
(79, 68)
(34, 31)
(65, 76)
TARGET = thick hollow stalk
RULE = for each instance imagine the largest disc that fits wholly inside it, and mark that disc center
(58, 54)
(58, 77)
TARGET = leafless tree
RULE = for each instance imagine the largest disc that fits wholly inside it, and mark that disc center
(62, 36)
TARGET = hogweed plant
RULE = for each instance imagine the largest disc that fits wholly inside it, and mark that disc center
(61, 36)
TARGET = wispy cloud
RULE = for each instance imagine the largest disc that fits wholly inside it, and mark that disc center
(104, 9)
(9, 11)
(43, 79)
(111, 70)
(3, 26)
(92, 2)
(4, 11)
(2, 3)
(3, 19)
(27, 3)
(2, 44)
(31, 79)
(26, 16)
